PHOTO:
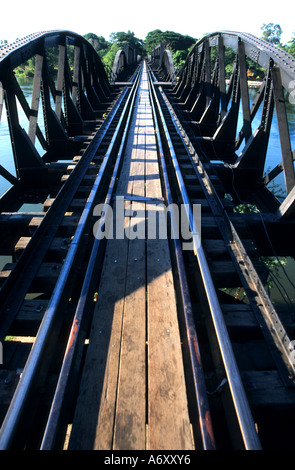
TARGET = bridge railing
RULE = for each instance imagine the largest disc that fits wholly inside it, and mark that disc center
(232, 123)
(70, 88)
(161, 59)
(123, 59)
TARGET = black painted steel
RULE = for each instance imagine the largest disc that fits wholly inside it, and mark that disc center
(241, 405)
(210, 105)
(80, 94)
(197, 120)
(205, 422)
(14, 290)
(62, 399)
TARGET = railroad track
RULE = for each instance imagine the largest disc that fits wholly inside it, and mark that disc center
(61, 235)
(235, 353)
(229, 258)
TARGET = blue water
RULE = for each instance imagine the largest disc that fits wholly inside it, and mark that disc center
(274, 155)
(6, 154)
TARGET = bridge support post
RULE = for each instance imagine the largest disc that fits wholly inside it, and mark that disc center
(35, 97)
(1, 99)
(60, 79)
(283, 130)
(26, 157)
(244, 90)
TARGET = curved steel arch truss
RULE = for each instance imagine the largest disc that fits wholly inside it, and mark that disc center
(162, 60)
(70, 96)
(120, 64)
(124, 58)
(214, 98)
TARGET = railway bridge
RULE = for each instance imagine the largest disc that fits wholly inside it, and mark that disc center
(139, 231)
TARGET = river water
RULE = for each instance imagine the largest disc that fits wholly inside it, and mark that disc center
(272, 159)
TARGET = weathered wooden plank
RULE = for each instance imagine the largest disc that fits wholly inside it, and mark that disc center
(13, 226)
(115, 391)
(45, 278)
(66, 228)
(18, 221)
(130, 422)
(58, 248)
(95, 412)
(117, 250)
(77, 204)
(94, 421)
(88, 179)
(168, 418)
(29, 318)
(265, 388)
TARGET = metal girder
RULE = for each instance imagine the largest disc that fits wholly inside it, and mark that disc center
(222, 116)
(254, 153)
(283, 130)
(76, 97)
(123, 59)
(25, 154)
(161, 59)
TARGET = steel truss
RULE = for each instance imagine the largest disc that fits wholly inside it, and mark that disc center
(210, 104)
(74, 100)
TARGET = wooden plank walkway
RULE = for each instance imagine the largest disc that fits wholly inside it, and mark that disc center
(133, 393)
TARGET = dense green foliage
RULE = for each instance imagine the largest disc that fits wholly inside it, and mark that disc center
(272, 33)
(177, 43)
(180, 45)
(290, 47)
(27, 68)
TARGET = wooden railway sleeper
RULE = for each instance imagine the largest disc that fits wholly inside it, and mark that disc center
(16, 411)
(243, 412)
(268, 319)
(205, 422)
(17, 284)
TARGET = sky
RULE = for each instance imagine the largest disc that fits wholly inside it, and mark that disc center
(21, 18)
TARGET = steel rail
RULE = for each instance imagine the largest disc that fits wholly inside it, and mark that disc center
(15, 287)
(35, 358)
(240, 401)
(205, 422)
(260, 50)
(49, 437)
(276, 335)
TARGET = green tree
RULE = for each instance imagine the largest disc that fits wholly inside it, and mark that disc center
(98, 42)
(178, 44)
(109, 57)
(153, 38)
(173, 41)
(272, 33)
(290, 47)
(121, 38)
(179, 58)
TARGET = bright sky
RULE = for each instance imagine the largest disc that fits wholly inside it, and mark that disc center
(20, 18)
